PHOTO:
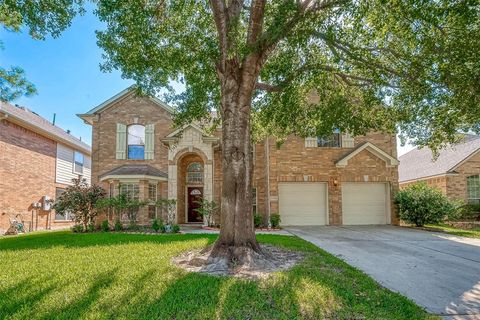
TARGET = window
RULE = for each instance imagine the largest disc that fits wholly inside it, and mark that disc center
(67, 216)
(152, 192)
(473, 189)
(254, 200)
(78, 160)
(195, 173)
(331, 141)
(152, 212)
(131, 190)
(136, 142)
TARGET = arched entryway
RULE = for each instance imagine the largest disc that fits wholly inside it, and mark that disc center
(190, 187)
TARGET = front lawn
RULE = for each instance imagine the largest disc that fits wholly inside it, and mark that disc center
(470, 233)
(61, 275)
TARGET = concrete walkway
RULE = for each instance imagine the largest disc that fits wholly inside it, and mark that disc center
(438, 271)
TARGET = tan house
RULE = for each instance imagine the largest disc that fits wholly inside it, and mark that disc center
(38, 160)
(456, 171)
(331, 180)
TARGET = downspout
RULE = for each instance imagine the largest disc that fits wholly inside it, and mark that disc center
(267, 152)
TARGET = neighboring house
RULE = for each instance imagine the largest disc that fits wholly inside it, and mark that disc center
(456, 170)
(38, 160)
(331, 180)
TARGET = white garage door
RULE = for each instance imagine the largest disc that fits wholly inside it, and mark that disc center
(302, 203)
(364, 203)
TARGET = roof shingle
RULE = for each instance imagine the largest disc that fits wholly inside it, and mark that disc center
(141, 169)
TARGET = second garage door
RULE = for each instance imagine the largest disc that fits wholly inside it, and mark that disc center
(364, 203)
(302, 203)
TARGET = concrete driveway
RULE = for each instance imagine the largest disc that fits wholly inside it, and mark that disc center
(438, 271)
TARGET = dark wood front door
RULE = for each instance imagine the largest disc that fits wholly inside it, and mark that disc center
(195, 195)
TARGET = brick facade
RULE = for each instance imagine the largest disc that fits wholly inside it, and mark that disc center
(292, 161)
(27, 171)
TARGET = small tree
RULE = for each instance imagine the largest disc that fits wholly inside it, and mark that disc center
(81, 200)
(420, 204)
(207, 210)
(170, 207)
(122, 205)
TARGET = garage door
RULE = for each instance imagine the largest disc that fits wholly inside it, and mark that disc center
(302, 203)
(364, 203)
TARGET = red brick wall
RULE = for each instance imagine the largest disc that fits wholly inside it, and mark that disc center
(27, 171)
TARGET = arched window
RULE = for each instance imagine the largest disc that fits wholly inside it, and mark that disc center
(136, 142)
(473, 189)
(195, 172)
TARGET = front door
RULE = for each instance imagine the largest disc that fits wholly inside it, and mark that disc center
(194, 196)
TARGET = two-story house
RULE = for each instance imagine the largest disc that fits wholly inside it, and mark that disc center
(38, 160)
(331, 180)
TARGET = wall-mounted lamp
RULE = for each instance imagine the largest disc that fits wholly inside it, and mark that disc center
(335, 182)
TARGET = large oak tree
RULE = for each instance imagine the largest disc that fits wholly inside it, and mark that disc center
(305, 67)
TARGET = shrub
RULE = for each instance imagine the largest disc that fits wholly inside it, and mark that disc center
(77, 228)
(275, 220)
(207, 210)
(257, 220)
(91, 227)
(158, 225)
(468, 212)
(118, 226)
(133, 226)
(105, 226)
(420, 204)
(175, 228)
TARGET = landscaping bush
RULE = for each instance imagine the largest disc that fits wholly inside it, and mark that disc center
(91, 227)
(275, 220)
(77, 228)
(468, 212)
(105, 226)
(157, 225)
(257, 220)
(118, 226)
(175, 228)
(420, 204)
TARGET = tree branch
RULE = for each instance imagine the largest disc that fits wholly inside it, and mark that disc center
(218, 9)
(257, 11)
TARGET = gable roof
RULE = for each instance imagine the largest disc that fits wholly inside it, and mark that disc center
(373, 149)
(419, 163)
(87, 117)
(32, 121)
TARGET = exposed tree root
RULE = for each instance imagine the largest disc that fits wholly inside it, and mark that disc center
(244, 262)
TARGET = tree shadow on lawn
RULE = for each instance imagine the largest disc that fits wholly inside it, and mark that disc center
(48, 240)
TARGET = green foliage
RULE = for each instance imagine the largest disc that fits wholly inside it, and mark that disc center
(170, 206)
(157, 225)
(275, 220)
(257, 220)
(207, 210)
(82, 200)
(118, 226)
(90, 227)
(77, 228)
(105, 226)
(420, 204)
(175, 228)
(123, 206)
(468, 212)
(355, 66)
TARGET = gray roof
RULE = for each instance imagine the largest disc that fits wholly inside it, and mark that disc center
(135, 169)
(419, 163)
(36, 123)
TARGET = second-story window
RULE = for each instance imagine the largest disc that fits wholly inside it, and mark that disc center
(136, 142)
(330, 141)
(78, 160)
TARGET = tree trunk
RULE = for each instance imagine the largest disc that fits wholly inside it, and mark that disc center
(237, 239)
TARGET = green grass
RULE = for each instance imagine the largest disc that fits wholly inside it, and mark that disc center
(470, 233)
(61, 275)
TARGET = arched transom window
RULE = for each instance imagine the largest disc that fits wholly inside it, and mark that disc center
(473, 189)
(195, 172)
(136, 142)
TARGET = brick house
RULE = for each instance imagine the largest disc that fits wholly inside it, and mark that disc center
(331, 180)
(37, 162)
(456, 171)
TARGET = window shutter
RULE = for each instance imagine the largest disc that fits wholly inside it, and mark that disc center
(149, 141)
(347, 141)
(310, 142)
(121, 141)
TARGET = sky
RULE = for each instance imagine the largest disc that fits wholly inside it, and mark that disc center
(67, 75)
